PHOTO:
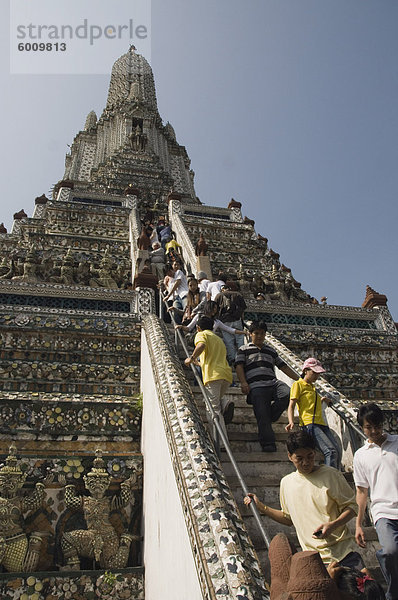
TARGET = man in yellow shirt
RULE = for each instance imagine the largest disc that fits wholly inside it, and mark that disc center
(216, 372)
(318, 501)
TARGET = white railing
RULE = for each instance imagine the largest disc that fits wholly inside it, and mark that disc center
(134, 234)
(183, 239)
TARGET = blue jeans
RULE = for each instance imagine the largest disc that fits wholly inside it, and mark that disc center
(233, 342)
(180, 304)
(387, 532)
(326, 443)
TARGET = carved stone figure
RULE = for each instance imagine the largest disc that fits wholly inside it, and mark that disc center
(261, 238)
(17, 551)
(4, 267)
(201, 246)
(104, 274)
(100, 540)
(138, 139)
(30, 267)
(244, 284)
(279, 294)
(67, 269)
(83, 273)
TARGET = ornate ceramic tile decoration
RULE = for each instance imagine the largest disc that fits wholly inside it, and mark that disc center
(78, 352)
(127, 584)
(47, 414)
(216, 530)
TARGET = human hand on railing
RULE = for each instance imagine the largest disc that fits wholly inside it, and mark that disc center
(191, 361)
(360, 537)
(247, 500)
(327, 400)
(289, 426)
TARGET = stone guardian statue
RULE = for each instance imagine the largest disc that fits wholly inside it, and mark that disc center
(17, 551)
(99, 541)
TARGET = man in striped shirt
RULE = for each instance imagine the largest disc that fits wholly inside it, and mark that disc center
(255, 366)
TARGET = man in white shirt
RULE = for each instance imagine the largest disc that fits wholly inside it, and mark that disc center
(203, 281)
(376, 471)
(215, 287)
(318, 501)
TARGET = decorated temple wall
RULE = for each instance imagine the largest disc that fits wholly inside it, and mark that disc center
(86, 158)
(161, 148)
(73, 244)
(69, 352)
(355, 345)
(100, 147)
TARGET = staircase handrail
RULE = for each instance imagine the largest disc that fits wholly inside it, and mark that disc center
(134, 234)
(183, 239)
(264, 534)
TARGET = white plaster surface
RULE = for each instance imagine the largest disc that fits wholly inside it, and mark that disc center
(170, 571)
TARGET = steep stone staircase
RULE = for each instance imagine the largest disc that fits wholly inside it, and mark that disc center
(262, 473)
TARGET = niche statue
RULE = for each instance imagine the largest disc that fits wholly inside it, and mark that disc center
(100, 540)
(17, 551)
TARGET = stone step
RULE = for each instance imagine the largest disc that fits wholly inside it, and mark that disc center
(243, 415)
(258, 464)
(257, 486)
(243, 446)
(262, 473)
(238, 435)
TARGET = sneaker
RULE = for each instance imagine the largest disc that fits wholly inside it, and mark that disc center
(228, 413)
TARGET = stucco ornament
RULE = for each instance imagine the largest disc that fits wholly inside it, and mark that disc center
(100, 540)
(18, 552)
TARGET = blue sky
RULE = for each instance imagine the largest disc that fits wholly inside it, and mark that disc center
(289, 106)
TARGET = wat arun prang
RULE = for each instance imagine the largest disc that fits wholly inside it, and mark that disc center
(70, 332)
